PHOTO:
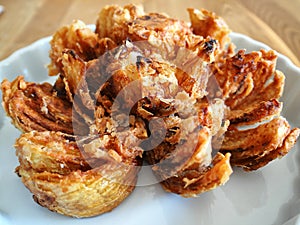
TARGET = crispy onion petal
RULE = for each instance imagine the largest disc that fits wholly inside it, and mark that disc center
(36, 107)
(191, 182)
(256, 143)
(55, 170)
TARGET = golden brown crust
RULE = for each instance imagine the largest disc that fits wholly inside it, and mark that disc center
(78, 194)
(255, 113)
(159, 26)
(185, 167)
(165, 35)
(112, 21)
(251, 88)
(257, 162)
(257, 140)
(36, 107)
(66, 179)
(191, 182)
(82, 40)
(54, 152)
(73, 72)
(205, 23)
(76, 36)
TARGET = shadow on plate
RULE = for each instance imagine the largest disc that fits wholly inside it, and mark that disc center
(2, 115)
(4, 218)
(242, 191)
(291, 209)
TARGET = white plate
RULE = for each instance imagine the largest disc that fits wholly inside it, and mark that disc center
(269, 196)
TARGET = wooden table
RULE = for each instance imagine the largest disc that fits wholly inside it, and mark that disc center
(274, 22)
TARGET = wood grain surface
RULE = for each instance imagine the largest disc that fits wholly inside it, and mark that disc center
(273, 22)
